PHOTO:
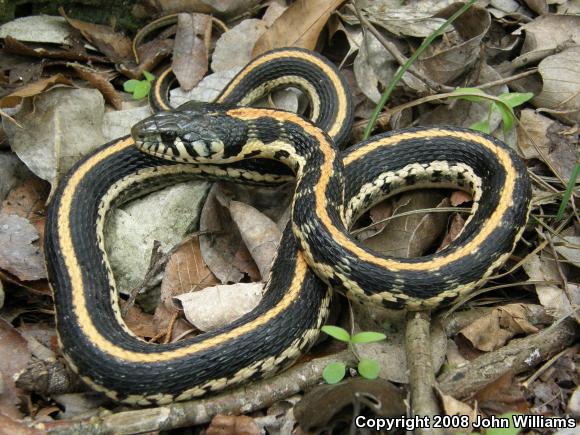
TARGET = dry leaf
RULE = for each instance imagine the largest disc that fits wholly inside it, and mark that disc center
(459, 197)
(552, 297)
(185, 272)
(74, 53)
(232, 425)
(115, 46)
(493, 331)
(457, 225)
(141, 323)
(100, 82)
(14, 357)
(298, 26)
(501, 396)
(234, 48)
(32, 89)
(16, 427)
(28, 200)
(218, 306)
(190, 51)
(20, 253)
(410, 236)
(452, 406)
(259, 233)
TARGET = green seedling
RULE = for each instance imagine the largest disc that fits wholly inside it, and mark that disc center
(504, 104)
(367, 368)
(139, 88)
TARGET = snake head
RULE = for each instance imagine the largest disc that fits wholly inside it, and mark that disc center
(198, 133)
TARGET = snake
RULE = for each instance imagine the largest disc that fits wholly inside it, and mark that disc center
(229, 139)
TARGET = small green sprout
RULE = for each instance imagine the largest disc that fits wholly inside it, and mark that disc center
(504, 104)
(333, 373)
(139, 88)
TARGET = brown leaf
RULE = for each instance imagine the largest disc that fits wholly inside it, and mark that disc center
(411, 235)
(115, 46)
(459, 197)
(259, 233)
(76, 52)
(218, 306)
(27, 200)
(503, 395)
(190, 52)
(452, 406)
(457, 224)
(492, 331)
(150, 55)
(100, 82)
(232, 425)
(14, 356)
(186, 271)
(32, 89)
(298, 26)
(139, 322)
(20, 253)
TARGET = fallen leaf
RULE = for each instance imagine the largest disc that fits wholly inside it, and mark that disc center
(329, 406)
(141, 323)
(493, 331)
(410, 236)
(20, 253)
(560, 94)
(259, 233)
(100, 82)
(459, 197)
(32, 89)
(501, 396)
(552, 297)
(12, 426)
(232, 425)
(185, 272)
(115, 46)
(457, 225)
(190, 51)
(298, 26)
(28, 200)
(14, 357)
(218, 306)
(234, 48)
(452, 406)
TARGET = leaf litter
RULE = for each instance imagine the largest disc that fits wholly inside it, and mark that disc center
(501, 47)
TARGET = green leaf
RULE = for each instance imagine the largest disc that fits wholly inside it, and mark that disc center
(482, 126)
(334, 372)
(148, 76)
(468, 94)
(141, 90)
(368, 368)
(367, 337)
(512, 430)
(337, 332)
(514, 99)
(568, 191)
(129, 85)
(507, 114)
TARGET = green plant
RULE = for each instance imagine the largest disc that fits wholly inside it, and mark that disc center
(367, 368)
(568, 192)
(139, 88)
(504, 104)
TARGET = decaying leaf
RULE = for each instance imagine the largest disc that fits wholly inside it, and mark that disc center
(14, 357)
(100, 82)
(492, 331)
(190, 51)
(232, 425)
(115, 46)
(452, 406)
(218, 306)
(330, 406)
(185, 272)
(234, 48)
(20, 252)
(32, 89)
(298, 26)
(561, 85)
(503, 395)
(411, 235)
(552, 297)
(260, 234)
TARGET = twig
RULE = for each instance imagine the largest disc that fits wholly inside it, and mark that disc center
(518, 356)
(239, 401)
(421, 375)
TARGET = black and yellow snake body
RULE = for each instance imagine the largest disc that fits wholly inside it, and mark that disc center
(333, 189)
